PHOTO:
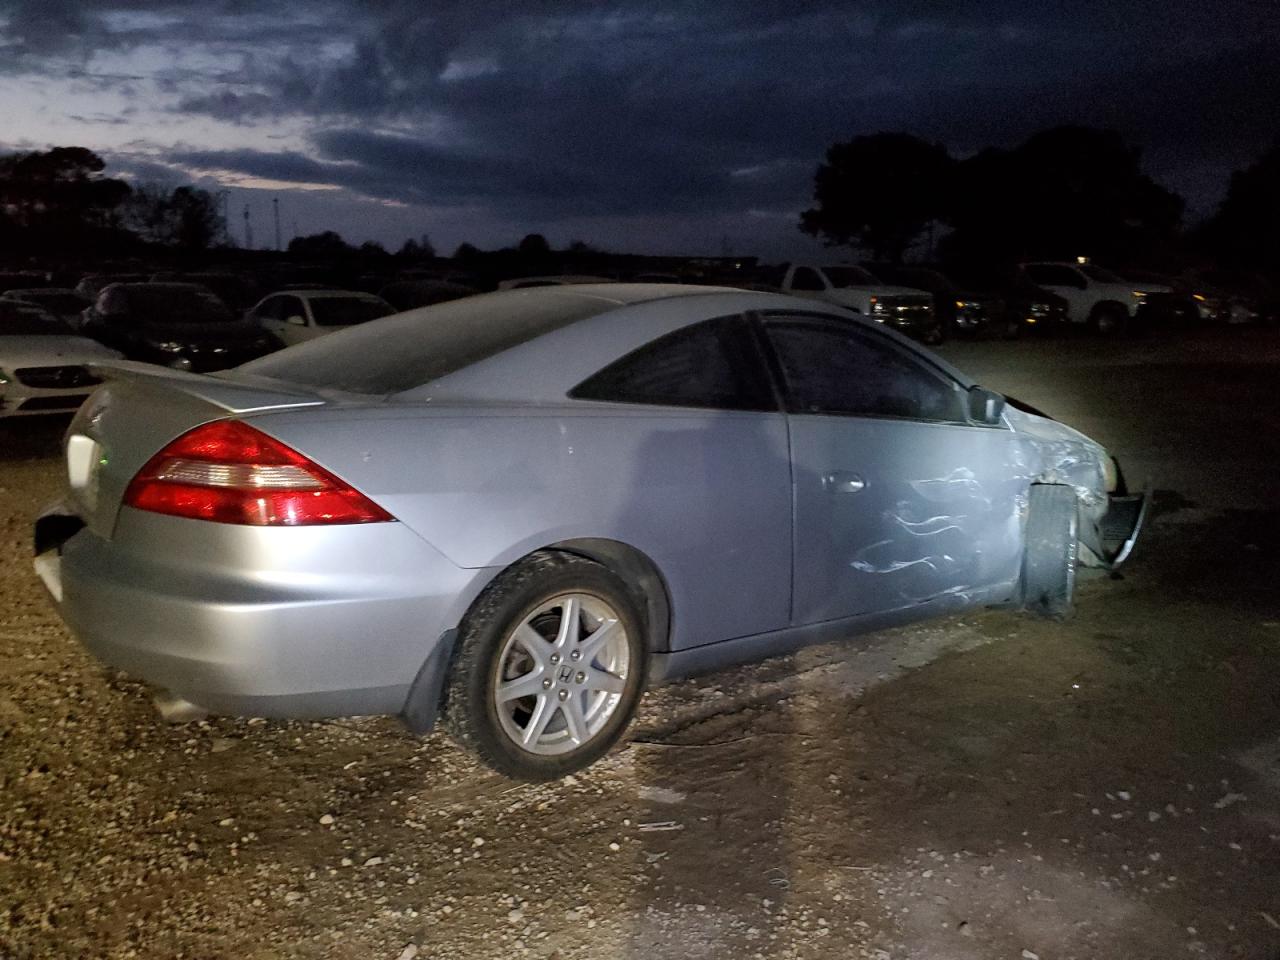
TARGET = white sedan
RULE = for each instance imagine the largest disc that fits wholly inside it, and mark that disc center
(294, 316)
(43, 364)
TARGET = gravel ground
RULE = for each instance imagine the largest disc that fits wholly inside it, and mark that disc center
(985, 786)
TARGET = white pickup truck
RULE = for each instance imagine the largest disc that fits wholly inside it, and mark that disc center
(1094, 296)
(906, 309)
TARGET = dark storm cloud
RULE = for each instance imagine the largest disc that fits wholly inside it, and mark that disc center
(572, 109)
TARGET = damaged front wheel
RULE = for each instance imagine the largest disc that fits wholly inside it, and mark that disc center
(1049, 555)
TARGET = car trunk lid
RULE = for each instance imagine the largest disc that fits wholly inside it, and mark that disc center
(136, 412)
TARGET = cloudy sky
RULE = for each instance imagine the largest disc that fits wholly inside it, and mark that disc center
(681, 127)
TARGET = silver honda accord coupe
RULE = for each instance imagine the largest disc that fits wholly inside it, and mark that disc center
(512, 512)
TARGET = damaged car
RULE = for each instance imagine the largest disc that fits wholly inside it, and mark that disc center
(510, 513)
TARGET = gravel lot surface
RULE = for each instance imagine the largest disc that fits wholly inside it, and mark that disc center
(984, 786)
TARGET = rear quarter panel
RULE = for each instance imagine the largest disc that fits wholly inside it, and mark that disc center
(704, 494)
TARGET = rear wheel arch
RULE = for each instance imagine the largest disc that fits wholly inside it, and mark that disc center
(636, 568)
(427, 695)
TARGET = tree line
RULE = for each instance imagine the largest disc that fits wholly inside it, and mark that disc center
(1064, 192)
(59, 202)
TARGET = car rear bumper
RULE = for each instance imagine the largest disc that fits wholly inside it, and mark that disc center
(275, 622)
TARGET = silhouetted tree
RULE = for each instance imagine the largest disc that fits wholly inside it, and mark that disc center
(1065, 192)
(466, 251)
(197, 222)
(373, 250)
(185, 217)
(1245, 231)
(59, 198)
(421, 249)
(878, 192)
(534, 246)
(327, 245)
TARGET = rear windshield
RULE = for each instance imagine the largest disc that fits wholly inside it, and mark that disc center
(407, 350)
(344, 311)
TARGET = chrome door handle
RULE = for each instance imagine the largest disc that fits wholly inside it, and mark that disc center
(842, 481)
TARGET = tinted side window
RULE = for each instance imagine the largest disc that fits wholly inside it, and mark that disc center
(830, 367)
(712, 364)
(806, 278)
(291, 307)
(269, 309)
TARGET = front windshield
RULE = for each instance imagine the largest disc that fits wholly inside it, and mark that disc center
(20, 320)
(344, 311)
(842, 277)
(165, 304)
(1097, 273)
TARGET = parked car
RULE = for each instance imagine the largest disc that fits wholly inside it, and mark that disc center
(1032, 308)
(92, 284)
(522, 283)
(1097, 298)
(1225, 297)
(43, 364)
(959, 311)
(411, 294)
(180, 325)
(236, 291)
(63, 302)
(294, 316)
(516, 509)
(905, 309)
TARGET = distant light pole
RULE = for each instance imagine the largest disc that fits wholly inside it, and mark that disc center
(275, 205)
(248, 229)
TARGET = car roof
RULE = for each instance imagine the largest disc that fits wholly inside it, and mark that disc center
(572, 331)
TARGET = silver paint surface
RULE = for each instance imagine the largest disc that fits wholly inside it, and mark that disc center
(765, 528)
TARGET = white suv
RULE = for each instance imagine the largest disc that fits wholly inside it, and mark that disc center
(1094, 296)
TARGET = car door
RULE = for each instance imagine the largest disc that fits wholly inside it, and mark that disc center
(295, 321)
(267, 315)
(702, 459)
(898, 497)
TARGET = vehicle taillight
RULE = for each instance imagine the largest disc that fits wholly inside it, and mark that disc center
(229, 472)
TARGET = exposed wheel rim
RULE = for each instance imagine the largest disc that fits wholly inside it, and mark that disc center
(561, 674)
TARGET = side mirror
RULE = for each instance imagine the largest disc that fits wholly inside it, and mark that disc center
(985, 406)
(296, 320)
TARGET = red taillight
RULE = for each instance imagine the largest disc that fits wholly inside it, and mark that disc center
(229, 472)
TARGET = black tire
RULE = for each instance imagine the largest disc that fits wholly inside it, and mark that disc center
(1109, 320)
(471, 713)
(1049, 556)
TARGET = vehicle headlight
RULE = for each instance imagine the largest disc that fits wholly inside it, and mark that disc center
(4, 377)
(168, 346)
(1039, 309)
